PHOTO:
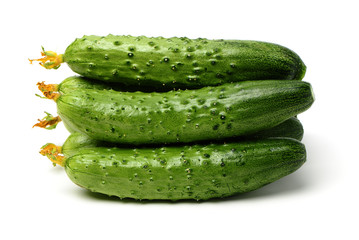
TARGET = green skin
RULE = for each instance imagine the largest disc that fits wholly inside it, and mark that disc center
(167, 63)
(173, 173)
(291, 128)
(209, 113)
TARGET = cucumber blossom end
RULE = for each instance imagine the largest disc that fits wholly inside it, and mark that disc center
(49, 60)
(49, 90)
(48, 122)
(54, 153)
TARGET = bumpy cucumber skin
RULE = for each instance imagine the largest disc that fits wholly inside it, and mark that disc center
(291, 128)
(208, 113)
(173, 173)
(180, 62)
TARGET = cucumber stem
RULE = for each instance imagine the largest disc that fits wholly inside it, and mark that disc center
(49, 122)
(54, 153)
(49, 90)
(50, 59)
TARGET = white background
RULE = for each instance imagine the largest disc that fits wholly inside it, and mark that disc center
(319, 201)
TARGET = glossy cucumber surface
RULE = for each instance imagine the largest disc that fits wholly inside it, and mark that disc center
(291, 128)
(180, 172)
(209, 113)
(180, 62)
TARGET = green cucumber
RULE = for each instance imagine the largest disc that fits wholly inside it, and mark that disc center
(173, 173)
(291, 128)
(177, 62)
(209, 113)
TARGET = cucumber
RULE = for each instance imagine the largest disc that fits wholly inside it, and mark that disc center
(291, 128)
(209, 113)
(197, 172)
(176, 62)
